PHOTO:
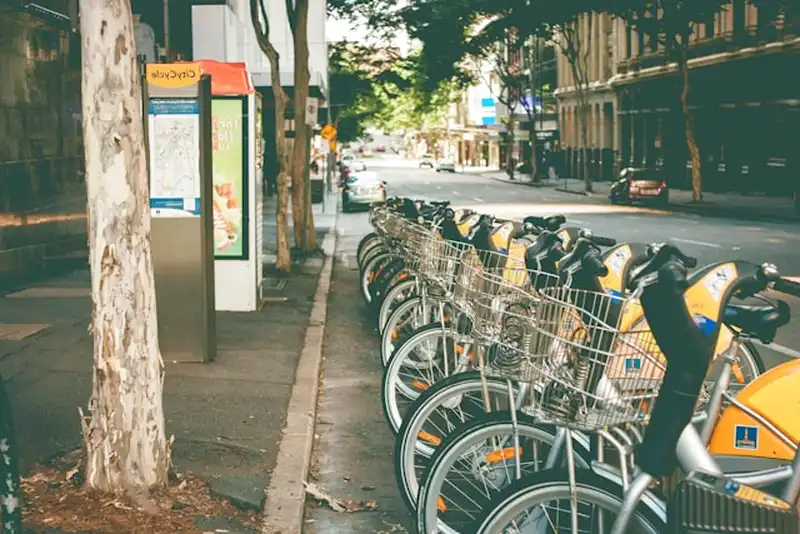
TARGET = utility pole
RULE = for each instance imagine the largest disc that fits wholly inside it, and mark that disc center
(166, 30)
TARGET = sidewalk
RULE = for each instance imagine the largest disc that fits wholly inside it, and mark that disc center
(713, 204)
(226, 416)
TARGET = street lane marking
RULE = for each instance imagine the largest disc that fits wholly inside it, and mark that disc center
(786, 351)
(456, 193)
(693, 242)
(477, 199)
(438, 187)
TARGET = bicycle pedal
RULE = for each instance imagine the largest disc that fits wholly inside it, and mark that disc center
(703, 503)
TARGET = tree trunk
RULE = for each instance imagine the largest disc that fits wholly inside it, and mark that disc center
(532, 142)
(127, 450)
(304, 232)
(283, 260)
(510, 150)
(688, 126)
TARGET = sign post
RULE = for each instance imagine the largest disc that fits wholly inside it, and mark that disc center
(179, 149)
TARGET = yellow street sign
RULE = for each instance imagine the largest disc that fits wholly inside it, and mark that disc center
(173, 75)
(328, 132)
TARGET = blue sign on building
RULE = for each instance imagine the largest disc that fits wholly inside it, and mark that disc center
(488, 111)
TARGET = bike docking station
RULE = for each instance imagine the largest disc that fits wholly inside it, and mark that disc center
(237, 195)
(178, 132)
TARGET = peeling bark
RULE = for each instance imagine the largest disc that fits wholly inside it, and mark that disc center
(127, 450)
(283, 261)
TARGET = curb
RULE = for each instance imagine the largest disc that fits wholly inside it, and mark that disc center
(284, 510)
(520, 182)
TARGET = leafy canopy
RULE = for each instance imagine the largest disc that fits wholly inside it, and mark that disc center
(375, 86)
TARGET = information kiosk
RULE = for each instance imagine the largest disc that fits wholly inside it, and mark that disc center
(178, 105)
(238, 224)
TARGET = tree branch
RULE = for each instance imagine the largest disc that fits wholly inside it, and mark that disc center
(291, 14)
(262, 28)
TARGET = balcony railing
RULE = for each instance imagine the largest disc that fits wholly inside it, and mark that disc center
(728, 42)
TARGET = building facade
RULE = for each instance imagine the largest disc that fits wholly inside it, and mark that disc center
(745, 108)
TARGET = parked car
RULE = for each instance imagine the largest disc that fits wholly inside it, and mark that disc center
(427, 162)
(349, 168)
(445, 165)
(380, 148)
(640, 184)
(362, 189)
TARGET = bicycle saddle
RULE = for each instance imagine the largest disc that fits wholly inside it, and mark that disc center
(761, 321)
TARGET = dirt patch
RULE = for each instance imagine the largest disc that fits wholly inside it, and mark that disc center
(54, 498)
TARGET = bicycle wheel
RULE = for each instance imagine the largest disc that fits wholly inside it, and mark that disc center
(396, 295)
(390, 274)
(751, 365)
(447, 405)
(370, 240)
(406, 319)
(10, 495)
(371, 269)
(377, 250)
(422, 360)
(523, 506)
(477, 461)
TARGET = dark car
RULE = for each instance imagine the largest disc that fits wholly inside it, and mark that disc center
(634, 184)
(427, 161)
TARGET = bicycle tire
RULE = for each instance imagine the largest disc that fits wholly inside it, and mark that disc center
(388, 344)
(538, 488)
(408, 446)
(369, 251)
(366, 241)
(459, 441)
(389, 382)
(384, 280)
(398, 293)
(371, 268)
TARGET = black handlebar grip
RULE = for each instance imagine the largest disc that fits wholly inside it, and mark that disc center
(789, 287)
(603, 241)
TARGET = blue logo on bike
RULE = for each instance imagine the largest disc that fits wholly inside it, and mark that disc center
(705, 324)
(633, 365)
(745, 437)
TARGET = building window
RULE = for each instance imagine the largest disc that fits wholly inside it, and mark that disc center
(628, 42)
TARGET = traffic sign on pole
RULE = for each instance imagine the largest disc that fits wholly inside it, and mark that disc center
(328, 132)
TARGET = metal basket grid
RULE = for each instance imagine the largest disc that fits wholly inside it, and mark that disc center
(378, 214)
(589, 369)
(493, 283)
(439, 260)
(410, 242)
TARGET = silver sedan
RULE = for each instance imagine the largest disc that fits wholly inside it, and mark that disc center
(362, 189)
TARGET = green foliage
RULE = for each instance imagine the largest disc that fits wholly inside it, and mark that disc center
(374, 86)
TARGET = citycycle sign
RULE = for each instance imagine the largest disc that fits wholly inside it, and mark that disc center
(173, 75)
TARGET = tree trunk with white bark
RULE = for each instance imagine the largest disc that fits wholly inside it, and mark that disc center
(127, 450)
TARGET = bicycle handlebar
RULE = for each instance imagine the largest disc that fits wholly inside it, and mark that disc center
(596, 239)
(659, 255)
(546, 223)
(788, 287)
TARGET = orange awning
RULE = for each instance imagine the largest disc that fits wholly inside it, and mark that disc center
(227, 79)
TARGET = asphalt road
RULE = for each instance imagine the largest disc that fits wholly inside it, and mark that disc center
(354, 452)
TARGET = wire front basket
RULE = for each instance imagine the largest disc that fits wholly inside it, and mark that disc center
(439, 260)
(592, 360)
(489, 285)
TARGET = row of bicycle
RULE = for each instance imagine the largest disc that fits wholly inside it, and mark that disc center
(540, 378)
